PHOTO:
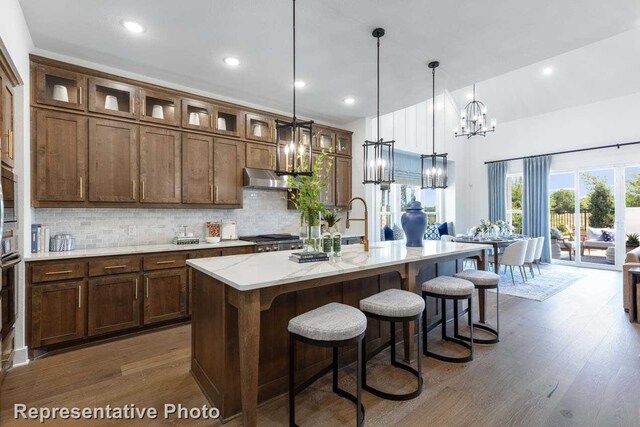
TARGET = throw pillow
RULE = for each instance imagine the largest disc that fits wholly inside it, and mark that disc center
(432, 232)
(443, 229)
(388, 233)
(398, 233)
(608, 236)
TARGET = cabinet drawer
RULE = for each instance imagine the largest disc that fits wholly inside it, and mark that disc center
(163, 261)
(108, 266)
(57, 271)
(237, 251)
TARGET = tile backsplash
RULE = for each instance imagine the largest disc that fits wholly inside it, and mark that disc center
(264, 211)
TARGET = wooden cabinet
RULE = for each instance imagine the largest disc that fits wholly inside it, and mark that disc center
(114, 265)
(165, 295)
(259, 127)
(60, 157)
(113, 98)
(160, 165)
(164, 261)
(343, 181)
(227, 121)
(197, 169)
(228, 162)
(261, 156)
(58, 313)
(324, 139)
(197, 115)
(7, 127)
(160, 107)
(343, 143)
(59, 88)
(113, 303)
(113, 161)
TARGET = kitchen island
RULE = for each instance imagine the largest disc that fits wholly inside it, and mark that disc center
(242, 305)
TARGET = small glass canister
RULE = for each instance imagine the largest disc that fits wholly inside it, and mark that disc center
(213, 231)
(327, 243)
(337, 244)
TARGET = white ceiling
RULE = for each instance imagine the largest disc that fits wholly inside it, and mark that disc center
(474, 40)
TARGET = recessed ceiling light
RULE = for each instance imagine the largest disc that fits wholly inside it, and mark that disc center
(300, 83)
(134, 27)
(231, 61)
(547, 71)
(349, 100)
(469, 96)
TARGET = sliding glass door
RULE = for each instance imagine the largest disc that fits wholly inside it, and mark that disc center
(562, 203)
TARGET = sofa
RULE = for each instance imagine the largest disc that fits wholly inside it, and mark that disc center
(631, 260)
(594, 239)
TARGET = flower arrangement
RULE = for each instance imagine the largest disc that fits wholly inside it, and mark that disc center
(499, 227)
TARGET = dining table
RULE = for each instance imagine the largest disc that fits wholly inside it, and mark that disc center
(496, 242)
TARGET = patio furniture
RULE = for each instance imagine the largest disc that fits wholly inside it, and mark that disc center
(594, 240)
(611, 255)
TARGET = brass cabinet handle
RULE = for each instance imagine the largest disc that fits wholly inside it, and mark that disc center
(80, 95)
(211, 117)
(79, 296)
(142, 190)
(133, 188)
(81, 189)
(165, 262)
(133, 104)
(144, 106)
(111, 267)
(51, 273)
(11, 143)
(211, 191)
(136, 289)
(146, 285)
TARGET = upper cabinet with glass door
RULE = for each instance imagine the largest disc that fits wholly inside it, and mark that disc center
(324, 140)
(259, 127)
(343, 143)
(113, 98)
(227, 121)
(60, 88)
(197, 115)
(160, 107)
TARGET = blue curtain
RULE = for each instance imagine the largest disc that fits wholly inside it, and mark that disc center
(535, 201)
(497, 194)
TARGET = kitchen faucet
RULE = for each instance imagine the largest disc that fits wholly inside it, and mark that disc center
(365, 241)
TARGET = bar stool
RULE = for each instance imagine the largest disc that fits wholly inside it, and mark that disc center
(448, 288)
(332, 325)
(393, 305)
(483, 280)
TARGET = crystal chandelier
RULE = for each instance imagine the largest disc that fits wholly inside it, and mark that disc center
(434, 170)
(473, 119)
(379, 154)
(293, 139)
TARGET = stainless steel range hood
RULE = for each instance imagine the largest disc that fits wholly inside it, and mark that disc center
(265, 179)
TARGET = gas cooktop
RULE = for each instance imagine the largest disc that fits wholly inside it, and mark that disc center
(274, 242)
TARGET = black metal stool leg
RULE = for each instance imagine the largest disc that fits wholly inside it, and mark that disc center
(489, 329)
(454, 339)
(359, 407)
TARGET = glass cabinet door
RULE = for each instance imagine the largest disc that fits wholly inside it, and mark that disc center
(259, 127)
(324, 140)
(197, 115)
(227, 121)
(343, 143)
(113, 98)
(160, 107)
(60, 88)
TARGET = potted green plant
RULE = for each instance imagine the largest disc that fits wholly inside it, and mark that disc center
(633, 241)
(305, 192)
(331, 220)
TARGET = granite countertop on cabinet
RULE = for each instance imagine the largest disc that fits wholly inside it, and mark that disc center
(131, 250)
(260, 270)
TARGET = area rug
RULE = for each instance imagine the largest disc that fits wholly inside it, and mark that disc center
(553, 279)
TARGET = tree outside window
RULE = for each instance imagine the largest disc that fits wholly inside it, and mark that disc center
(514, 202)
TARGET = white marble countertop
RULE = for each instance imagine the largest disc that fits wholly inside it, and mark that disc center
(131, 250)
(254, 271)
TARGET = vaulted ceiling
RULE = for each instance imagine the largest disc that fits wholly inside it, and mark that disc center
(185, 42)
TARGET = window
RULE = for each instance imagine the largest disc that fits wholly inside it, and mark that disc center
(514, 202)
(395, 200)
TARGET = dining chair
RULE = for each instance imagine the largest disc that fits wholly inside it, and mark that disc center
(538, 255)
(472, 261)
(447, 238)
(530, 256)
(513, 256)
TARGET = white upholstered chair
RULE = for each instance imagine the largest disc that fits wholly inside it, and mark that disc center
(513, 256)
(530, 256)
(538, 255)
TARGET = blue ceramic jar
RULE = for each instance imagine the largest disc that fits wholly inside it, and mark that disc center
(414, 224)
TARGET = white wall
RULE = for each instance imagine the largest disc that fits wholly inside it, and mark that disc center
(14, 36)
(606, 122)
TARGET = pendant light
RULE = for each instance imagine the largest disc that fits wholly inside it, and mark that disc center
(379, 154)
(434, 166)
(293, 139)
(473, 119)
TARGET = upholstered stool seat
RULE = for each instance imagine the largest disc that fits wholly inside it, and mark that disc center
(331, 322)
(483, 280)
(394, 305)
(331, 325)
(455, 289)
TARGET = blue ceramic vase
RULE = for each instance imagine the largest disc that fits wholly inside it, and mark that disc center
(414, 224)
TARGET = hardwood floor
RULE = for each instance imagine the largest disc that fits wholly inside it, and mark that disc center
(572, 360)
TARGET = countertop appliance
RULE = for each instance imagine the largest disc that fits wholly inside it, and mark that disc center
(62, 242)
(229, 230)
(274, 242)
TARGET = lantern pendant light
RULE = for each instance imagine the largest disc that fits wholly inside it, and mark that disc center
(293, 139)
(434, 166)
(379, 154)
